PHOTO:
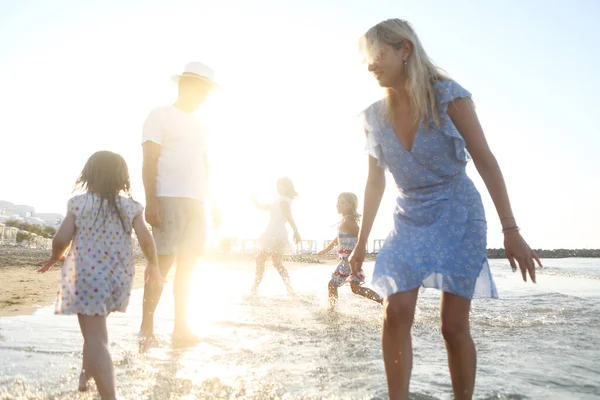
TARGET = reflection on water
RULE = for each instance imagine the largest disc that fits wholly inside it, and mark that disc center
(536, 342)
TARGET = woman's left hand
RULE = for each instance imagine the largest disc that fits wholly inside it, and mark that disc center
(518, 251)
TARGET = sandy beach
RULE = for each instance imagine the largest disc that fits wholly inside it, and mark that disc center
(24, 289)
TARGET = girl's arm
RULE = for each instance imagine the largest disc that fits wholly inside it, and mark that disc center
(287, 211)
(61, 242)
(464, 117)
(328, 248)
(146, 241)
(259, 205)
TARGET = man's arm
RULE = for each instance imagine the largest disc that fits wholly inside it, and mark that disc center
(152, 138)
(149, 174)
(215, 209)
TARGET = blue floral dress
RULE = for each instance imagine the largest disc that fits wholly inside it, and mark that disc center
(439, 235)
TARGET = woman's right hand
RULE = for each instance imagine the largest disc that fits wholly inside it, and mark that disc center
(356, 259)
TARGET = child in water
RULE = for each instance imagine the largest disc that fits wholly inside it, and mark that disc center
(97, 274)
(274, 240)
(346, 238)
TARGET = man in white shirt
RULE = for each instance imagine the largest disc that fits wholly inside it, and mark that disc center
(175, 174)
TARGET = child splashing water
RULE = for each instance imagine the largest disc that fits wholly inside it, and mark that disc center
(98, 271)
(275, 238)
(346, 238)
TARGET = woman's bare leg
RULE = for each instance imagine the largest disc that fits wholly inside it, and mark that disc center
(397, 342)
(462, 356)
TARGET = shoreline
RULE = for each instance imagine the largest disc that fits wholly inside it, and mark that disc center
(24, 290)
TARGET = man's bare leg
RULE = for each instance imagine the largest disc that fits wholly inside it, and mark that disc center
(182, 333)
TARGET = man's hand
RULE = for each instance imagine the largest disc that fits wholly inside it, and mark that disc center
(152, 213)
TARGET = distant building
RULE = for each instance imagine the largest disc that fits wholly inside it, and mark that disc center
(52, 219)
(24, 211)
(7, 208)
(27, 213)
(35, 221)
(10, 209)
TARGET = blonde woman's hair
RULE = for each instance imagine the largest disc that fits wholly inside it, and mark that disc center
(353, 201)
(421, 72)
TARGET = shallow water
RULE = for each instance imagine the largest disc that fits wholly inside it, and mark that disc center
(536, 342)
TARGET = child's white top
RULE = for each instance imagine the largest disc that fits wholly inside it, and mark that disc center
(276, 228)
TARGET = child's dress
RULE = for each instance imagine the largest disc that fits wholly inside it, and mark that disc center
(97, 274)
(343, 272)
(275, 237)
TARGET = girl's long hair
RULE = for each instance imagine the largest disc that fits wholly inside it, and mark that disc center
(351, 199)
(106, 174)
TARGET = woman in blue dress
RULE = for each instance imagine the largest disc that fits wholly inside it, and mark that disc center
(423, 132)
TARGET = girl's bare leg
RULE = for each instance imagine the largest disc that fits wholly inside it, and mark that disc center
(97, 361)
(333, 296)
(278, 264)
(365, 292)
(260, 270)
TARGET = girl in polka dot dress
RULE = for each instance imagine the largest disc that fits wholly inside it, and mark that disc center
(97, 273)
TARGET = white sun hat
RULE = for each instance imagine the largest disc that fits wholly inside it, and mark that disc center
(197, 70)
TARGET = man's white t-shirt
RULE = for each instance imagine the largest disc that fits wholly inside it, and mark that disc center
(181, 170)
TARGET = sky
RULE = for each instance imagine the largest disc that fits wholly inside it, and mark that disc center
(78, 77)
